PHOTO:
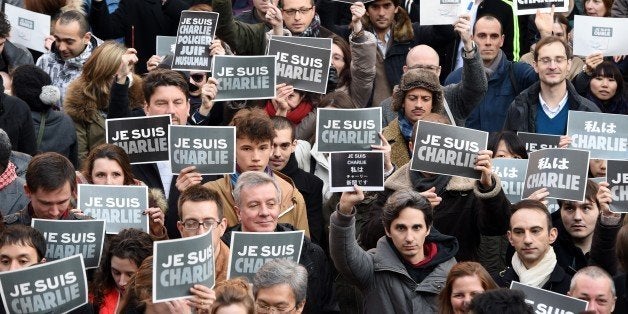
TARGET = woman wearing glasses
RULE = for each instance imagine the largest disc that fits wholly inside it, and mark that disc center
(107, 78)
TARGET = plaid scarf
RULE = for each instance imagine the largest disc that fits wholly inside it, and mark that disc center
(8, 176)
(405, 126)
(314, 29)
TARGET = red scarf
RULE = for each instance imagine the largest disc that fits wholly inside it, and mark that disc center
(429, 251)
(8, 176)
(295, 115)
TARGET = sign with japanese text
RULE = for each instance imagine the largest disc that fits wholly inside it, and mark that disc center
(605, 135)
(364, 169)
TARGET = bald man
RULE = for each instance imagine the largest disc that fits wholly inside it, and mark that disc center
(460, 98)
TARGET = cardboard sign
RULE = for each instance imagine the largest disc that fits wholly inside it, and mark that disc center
(179, 264)
(51, 287)
(443, 12)
(194, 36)
(525, 7)
(325, 43)
(600, 34)
(244, 77)
(545, 301)
(536, 141)
(144, 139)
(365, 170)
(251, 250)
(28, 28)
(120, 206)
(605, 135)
(617, 177)
(512, 176)
(65, 238)
(210, 148)
(165, 45)
(305, 68)
(446, 149)
(562, 171)
(348, 130)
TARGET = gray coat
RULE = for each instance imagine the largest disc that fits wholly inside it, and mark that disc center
(380, 274)
(460, 98)
(12, 197)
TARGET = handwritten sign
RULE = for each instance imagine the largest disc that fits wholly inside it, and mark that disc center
(28, 28)
(52, 287)
(364, 169)
(545, 301)
(179, 264)
(605, 135)
(65, 238)
(617, 176)
(194, 36)
(144, 139)
(512, 176)
(121, 206)
(244, 77)
(562, 171)
(251, 250)
(346, 130)
(210, 148)
(599, 34)
(536, 141)
(446, 149)
(304, 67)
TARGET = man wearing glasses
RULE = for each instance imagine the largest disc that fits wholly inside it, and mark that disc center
(506, 79)
(544, 106)
(280, 286)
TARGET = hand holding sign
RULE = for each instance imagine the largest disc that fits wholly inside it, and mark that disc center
(274, 17)
(432, 196)
(209, 91)
(203, 299)
(385, 147)
(129, 59)
(187, 178)
(153, 62)
(216, 48)
(284, 91)
(483, 163)
(539, 195)
(349, 199)
(564, 141)
(462, 26)
(592, 61)
(357, 12)
(155, 221)
(544, 22)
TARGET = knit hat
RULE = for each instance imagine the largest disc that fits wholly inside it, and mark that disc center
(33, 86)
(418, 78)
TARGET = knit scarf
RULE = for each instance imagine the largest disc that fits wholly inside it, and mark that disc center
(295, 115)
(405, 126)
(493, 67)
(538, 275)
(421, 182)
(313, 30)
(8, 176)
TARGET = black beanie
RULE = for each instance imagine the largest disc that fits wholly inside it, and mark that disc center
(28, 81)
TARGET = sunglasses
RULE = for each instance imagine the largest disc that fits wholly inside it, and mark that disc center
(197, 77)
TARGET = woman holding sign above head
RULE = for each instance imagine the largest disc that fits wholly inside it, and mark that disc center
(107, 78)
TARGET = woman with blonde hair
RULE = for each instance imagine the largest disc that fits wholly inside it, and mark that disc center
(107, 80)
(465, 281)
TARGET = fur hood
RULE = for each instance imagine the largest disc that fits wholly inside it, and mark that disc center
(402, 25)
(156, 198)
(80, 110)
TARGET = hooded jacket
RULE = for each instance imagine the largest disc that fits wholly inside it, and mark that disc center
(383, 276)
(89, 117)
(59, 134)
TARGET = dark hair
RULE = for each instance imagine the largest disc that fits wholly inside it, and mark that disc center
(401, 199)
(283, 123)
(463, 269)
(199, 193)
(49, 171)
(533, 205)
(338, 99)
(617, 104)
(202, 7)
(280, 3)
(396, 3)
(589, 194)
(503, 301)
(132, 244)
(5, 26)
(344, 77)
(233, 291)
(621, 247)
(70, 16)
(139, 290)
(254, 125)
(513, 143)
(28, 80)
(561, 19)
(111, 152)
(24, 236)
(5, 150)
(550, 40)
(489, 17)
(163, 77)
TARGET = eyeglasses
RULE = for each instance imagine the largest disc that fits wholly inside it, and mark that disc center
(424, 67)
(548, 60)
(263, 308)
(197, 77)
(192, 224)
(292, 12)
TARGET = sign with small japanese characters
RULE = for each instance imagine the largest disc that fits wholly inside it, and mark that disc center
(364, 169)
(512, 175)
(562, 171)
(605, 135)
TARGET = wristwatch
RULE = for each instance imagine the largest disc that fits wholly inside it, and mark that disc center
(474, 47)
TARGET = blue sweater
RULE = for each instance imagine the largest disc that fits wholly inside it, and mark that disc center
(556, 125)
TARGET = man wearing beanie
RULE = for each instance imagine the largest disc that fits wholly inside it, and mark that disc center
(54, 130)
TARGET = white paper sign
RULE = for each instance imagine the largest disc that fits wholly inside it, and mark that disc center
(600, 34)
(27, 27)
(443, 12)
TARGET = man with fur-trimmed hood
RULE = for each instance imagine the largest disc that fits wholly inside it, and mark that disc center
(396, 34)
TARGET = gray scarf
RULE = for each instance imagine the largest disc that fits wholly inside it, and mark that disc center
(493, 67)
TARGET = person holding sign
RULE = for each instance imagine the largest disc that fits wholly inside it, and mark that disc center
(126, 251)
(400, 274)
(534, 264)
(257, 198)
(51, 187)
(89, 97)
(594, 285)
(543, 107)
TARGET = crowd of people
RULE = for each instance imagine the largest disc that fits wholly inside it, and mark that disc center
(427, 243)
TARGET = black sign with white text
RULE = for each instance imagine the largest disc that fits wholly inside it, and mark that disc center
(346, 130)
(562, 171)
(244, 77)
(545, 301)
(195, 33)
(617, 176)
(305, 68)
(364, 169)
(536, 141)
(210, 148)
(144, 139)
(120, 206)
